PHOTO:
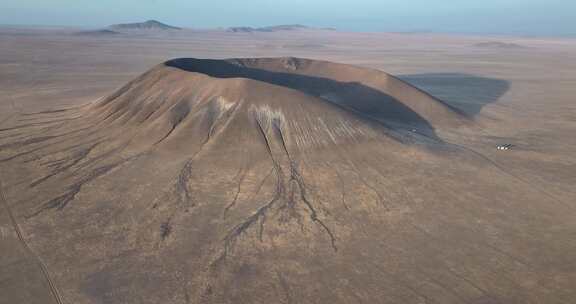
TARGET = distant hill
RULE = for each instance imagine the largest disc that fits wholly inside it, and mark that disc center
(284, 27)
(241, 29)
(103, 32)
(147, 25)
(274, 28)
(499, 45)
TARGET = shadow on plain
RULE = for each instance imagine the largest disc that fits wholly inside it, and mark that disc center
(469, 93)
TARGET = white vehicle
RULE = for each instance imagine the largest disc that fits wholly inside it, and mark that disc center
(504, 147)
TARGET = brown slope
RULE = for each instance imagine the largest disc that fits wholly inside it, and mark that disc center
(275, 181)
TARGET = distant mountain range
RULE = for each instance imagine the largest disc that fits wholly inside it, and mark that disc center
(152, 26)
(499, 45)
(275, 28)
(147, 25)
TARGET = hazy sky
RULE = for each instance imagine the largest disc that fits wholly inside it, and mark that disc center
(556, 17)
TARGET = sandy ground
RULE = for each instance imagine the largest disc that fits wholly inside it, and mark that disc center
(523, 96)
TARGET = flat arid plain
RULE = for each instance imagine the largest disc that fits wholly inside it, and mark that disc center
(135, 170)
